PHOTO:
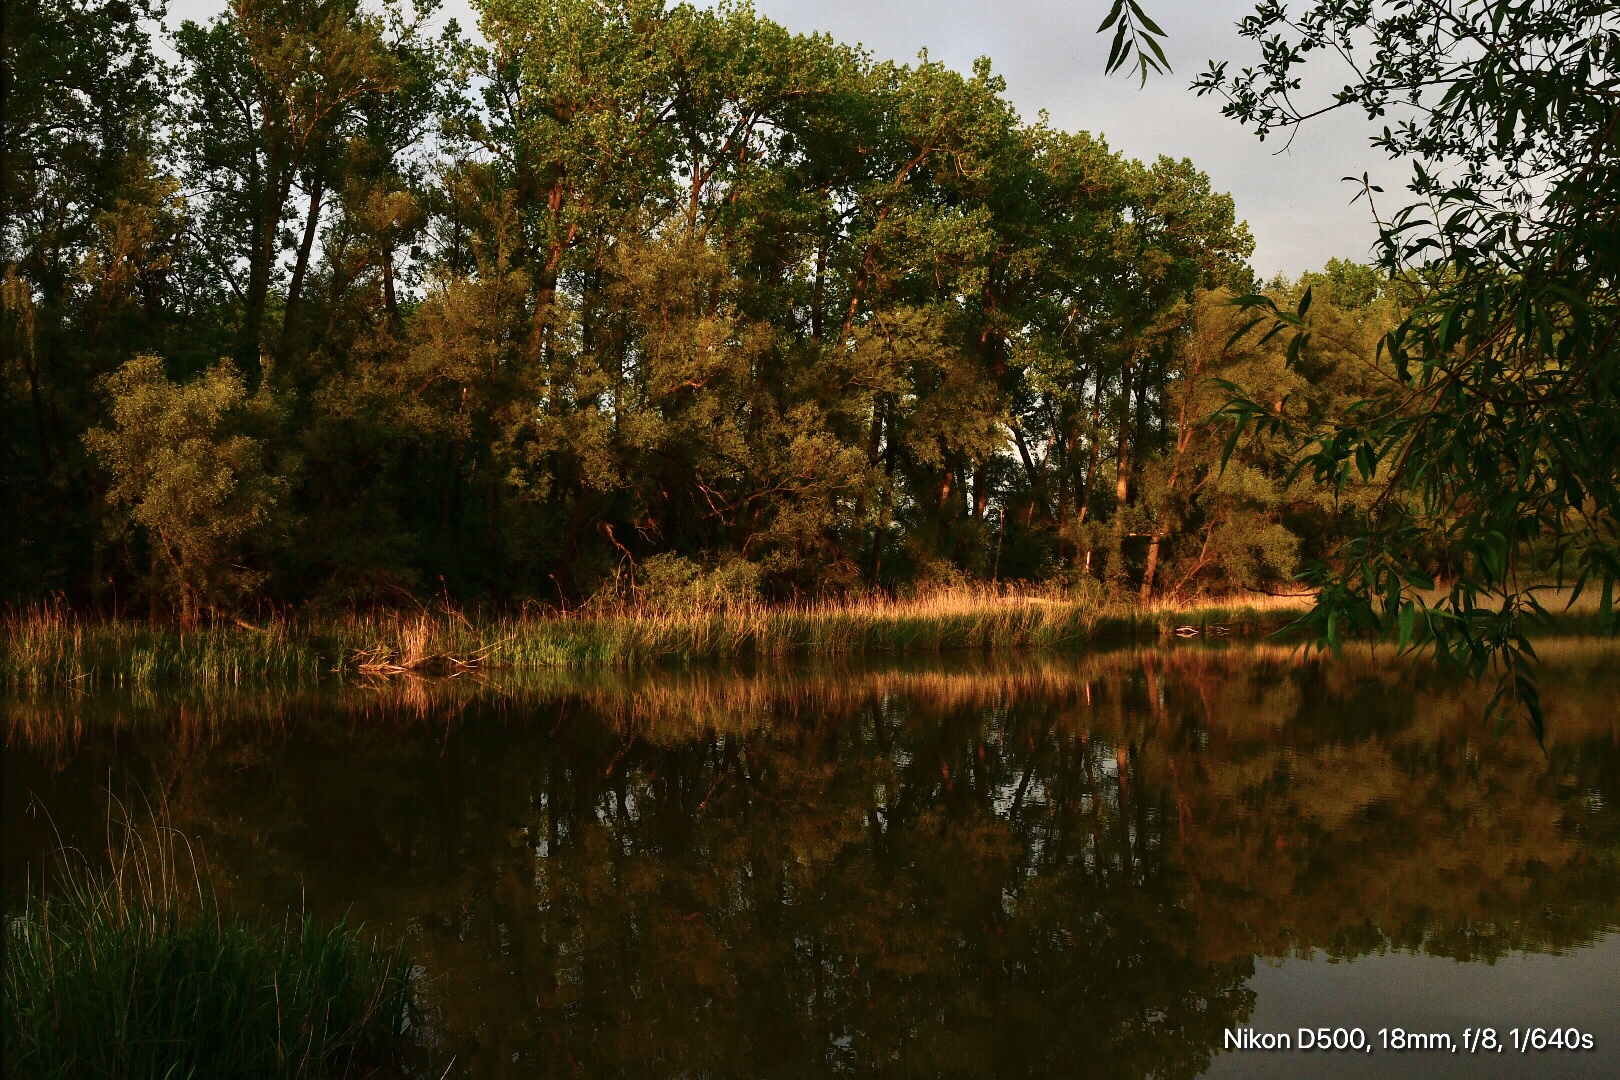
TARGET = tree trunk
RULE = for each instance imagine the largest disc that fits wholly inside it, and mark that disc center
(1035, 473)
(565, 565)
(879, 536)
(258, 289)
(1122, 480)
(874, 442)
(819, 291)
(883, 516)
(1063, 447)
(1092, 453)
(93, 498)
(301, 267)
(260, 266)
(389, 300)
(39, 419)
(154, 600)
(1152, 568)
(1122, 476)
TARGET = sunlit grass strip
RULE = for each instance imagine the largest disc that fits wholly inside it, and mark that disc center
(943, 623)
(51, 647)
(136, 974)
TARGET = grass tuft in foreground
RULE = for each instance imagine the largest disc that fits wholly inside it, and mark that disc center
(135, 973)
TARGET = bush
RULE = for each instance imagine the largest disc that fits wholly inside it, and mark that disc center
(673, 582)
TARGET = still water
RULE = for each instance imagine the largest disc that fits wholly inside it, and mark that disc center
(1096, 866)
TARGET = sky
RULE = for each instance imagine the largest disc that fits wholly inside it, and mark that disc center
(1295, 200)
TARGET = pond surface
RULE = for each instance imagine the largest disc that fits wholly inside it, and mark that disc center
(1090, 866)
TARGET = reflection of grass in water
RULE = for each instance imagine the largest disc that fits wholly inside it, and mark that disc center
(55, 647)
(668, 705)
(134, 972)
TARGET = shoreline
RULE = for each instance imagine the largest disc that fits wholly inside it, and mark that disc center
(56, 648)
(45, 648)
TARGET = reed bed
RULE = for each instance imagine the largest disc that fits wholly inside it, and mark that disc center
(133, 972)
(52, 646)
(942, 622)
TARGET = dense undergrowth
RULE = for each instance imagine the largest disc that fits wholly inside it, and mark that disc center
(134, 972)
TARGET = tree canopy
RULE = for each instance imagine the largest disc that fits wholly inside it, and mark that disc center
(331, 309)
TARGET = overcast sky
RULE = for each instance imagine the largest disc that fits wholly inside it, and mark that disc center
(1052, 58)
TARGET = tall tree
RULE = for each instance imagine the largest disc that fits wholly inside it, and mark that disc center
(267, 85)
(79, 114)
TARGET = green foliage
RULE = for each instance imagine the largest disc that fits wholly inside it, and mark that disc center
(621, 292)
(668, 580)
(1135, 35)
(1236, 515)
(1497, 436)
(137, 973)
(189, 478)
(1347, 285)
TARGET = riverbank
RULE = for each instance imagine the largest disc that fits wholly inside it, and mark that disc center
(46, 647)
(55, 647)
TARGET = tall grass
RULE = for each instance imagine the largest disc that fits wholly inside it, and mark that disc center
(939, 622)
(51, 646)
(135, 973)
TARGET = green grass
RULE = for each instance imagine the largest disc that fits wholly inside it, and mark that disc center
(942, 622)
(51, 647)
(54, 647)
(135, 973)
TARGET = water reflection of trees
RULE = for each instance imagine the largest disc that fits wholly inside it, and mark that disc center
(1021, 868)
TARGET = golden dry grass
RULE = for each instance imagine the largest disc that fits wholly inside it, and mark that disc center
(53, 646)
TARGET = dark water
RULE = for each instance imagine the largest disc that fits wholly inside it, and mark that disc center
(1089, 867)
